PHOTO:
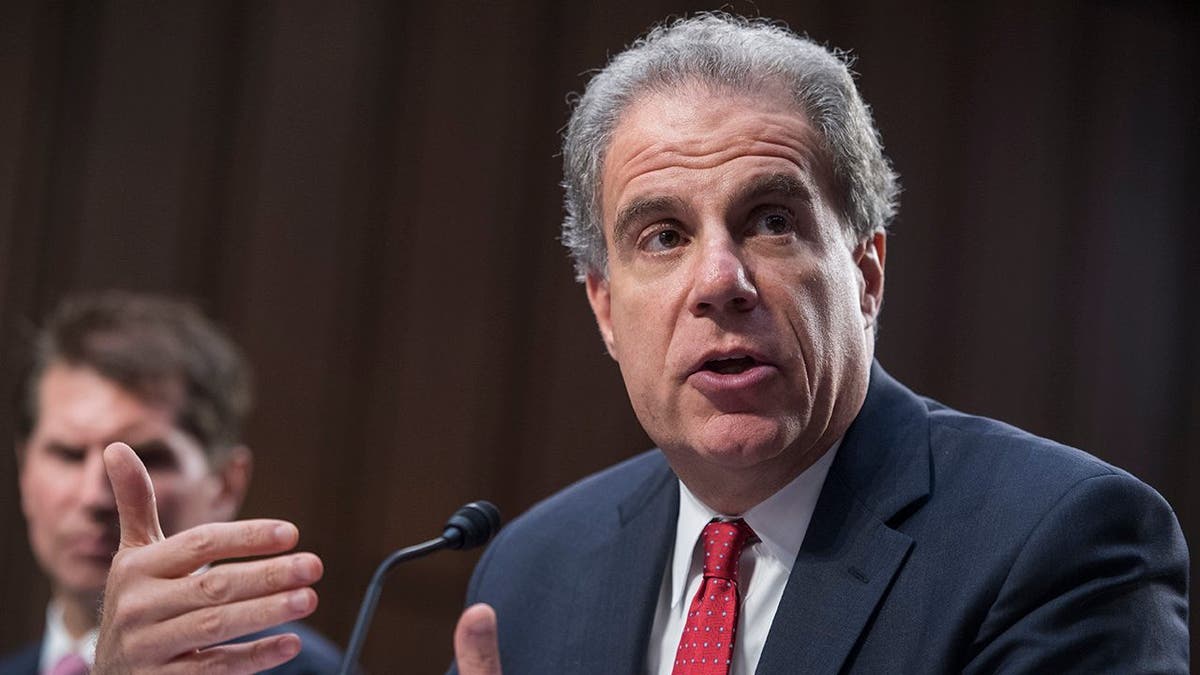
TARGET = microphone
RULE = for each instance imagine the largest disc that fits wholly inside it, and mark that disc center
(470, 526)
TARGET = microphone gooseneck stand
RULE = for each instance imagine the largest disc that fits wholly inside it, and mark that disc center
(470, 526)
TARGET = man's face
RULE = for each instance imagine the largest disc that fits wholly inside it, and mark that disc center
(739, 311)
(65, 494)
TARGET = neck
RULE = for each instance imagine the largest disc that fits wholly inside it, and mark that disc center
(734, 492)
(80, 613)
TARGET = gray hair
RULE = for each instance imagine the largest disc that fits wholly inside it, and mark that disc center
(736, 54)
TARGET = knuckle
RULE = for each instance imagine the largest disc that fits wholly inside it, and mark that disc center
(256, 536)
(201, 542)
(132, 611)
(273, 576)
(211, 625)
(214, 586)
(121, 613)
(208, 661)
(120, 561)
(129, 645)
(263, 655)
(125, 562)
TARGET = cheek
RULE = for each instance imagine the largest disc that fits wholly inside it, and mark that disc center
(833, 297)
(822, 313)
(42, 496)
(183, 501)
(641, 328)
(171, 497)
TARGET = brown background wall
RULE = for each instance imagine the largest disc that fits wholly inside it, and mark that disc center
(365, 194)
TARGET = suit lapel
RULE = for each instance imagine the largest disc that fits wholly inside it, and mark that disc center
(846, 563)
(851, 553)
(616, 609)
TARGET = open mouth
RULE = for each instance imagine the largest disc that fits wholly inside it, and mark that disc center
(731, 366)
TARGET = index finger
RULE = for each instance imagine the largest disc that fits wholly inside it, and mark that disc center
(184, 553)
(134, 494)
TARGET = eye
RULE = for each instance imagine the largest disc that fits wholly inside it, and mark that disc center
(66, 453)
(773, 222)
(156, 456)
(664, 238)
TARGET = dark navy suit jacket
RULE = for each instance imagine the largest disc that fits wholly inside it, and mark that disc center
(941, 542)
(317, 657)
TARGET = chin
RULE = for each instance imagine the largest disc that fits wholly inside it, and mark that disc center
(742, 440)
(84, 579)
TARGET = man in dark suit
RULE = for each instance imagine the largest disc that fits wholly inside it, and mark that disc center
(727, 200)
(154, 373)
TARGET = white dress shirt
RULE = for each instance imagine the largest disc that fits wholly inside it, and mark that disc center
(57, 641)
(780, 522)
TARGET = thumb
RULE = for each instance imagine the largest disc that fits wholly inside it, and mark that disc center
(134, 494)
(476, 649)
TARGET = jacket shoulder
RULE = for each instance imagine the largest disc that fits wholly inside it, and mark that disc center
(23, 661)
(586, 500)
(548, 532)
(987, 455)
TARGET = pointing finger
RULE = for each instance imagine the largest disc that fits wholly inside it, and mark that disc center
(476, 648)
(191, 549)
(134, 494)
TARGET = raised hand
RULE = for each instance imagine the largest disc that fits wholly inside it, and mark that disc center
(165, 612)
(476, 649)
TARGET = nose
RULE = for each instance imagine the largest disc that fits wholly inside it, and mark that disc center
(95, 492)
(721, 282)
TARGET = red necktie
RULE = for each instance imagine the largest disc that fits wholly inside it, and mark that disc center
(706, 646)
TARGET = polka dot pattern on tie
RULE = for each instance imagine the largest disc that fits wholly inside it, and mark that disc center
(706, 646)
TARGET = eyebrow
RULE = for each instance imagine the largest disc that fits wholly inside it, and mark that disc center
(783, 184)
(63, 446)
(640, 208)
(152, 445)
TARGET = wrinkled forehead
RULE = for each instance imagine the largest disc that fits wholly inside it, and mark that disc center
(771, 95)
(698, 126)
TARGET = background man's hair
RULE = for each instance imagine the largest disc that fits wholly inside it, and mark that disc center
(156, 348)
(728, 53)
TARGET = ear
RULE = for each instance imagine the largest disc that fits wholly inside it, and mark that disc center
(234, 479)
(601, 302)
(21, 448)
(869, 257)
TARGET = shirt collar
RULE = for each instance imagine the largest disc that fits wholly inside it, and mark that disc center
(780, 521)
(57, 641)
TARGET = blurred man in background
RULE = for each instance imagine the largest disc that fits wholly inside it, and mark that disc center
(156, 374)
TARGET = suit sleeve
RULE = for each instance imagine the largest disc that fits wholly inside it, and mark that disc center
(1100, 585)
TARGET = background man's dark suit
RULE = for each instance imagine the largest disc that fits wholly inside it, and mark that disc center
(318, 657)
(941, 542)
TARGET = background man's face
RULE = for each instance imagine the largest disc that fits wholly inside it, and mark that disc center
(65, 495)
(740, 314)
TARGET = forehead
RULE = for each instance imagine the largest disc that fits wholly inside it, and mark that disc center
(78, 405)
(667, 141)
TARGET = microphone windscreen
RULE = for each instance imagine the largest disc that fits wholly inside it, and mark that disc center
(472, 525)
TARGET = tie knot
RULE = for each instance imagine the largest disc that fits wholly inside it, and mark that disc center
(723, 544)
